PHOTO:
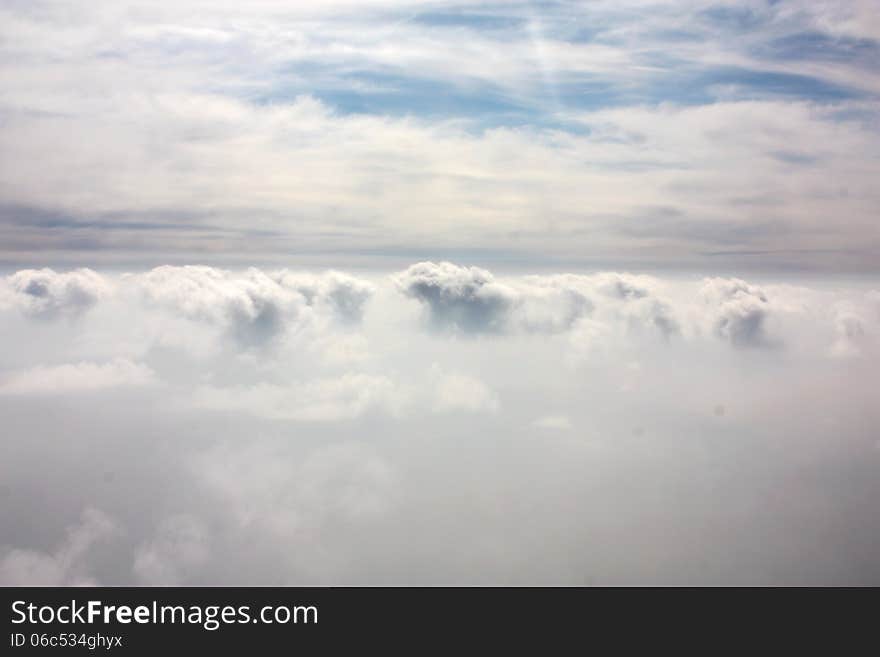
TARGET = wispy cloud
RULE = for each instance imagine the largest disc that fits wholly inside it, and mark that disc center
(362, 128)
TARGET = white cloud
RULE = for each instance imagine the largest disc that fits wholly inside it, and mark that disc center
(252, 307)
(255, 306)
(556, 422)
(470, 300)
(323, 400)
(744, 177)
(77, 377)
(343, 295)
(460, 392)
(459, 298)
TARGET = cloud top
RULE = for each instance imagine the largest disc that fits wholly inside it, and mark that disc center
(47, 294)
(255, 307)
(459, 298)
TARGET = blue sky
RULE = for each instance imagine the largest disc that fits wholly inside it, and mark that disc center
(643, 133)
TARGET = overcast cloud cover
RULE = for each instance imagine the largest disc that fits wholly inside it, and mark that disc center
(408, 292)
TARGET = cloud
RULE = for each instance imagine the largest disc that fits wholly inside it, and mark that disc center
(179, 547)
(274, 425)
(556, 422)
(632, 300)
(621, 167)
(850, 333)
(46, 294)
(324, 400)
(369, 482)
(460, 392)
(68, 564)
(642, 154)
(574, 436)
(77, 377)
(654, 135)
(739, 311)
(255, 307)
(346, 296)
(252, 307)
(458, 298)
(340, 484)
(872, 301)
(470, 300)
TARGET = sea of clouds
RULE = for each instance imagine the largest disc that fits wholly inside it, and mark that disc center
(436, 425)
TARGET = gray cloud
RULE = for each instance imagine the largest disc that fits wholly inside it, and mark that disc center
(67, 564)
(739, 311)
(470, 300)
(180, 546)
(462, 298)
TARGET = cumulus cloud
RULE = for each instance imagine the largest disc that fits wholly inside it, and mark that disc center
(346, 296)
(634, 301)
(252, 307)
(739, 311)
(458, 298)
(471, 300)
(74, 377)
(46, 294)
(255, 307)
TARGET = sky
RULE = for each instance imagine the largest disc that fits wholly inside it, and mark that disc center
(431, 293)
(692, 134)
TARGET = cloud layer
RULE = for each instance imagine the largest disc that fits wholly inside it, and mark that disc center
(437, 424)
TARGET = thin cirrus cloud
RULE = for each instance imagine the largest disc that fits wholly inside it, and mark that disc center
(702, 135)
